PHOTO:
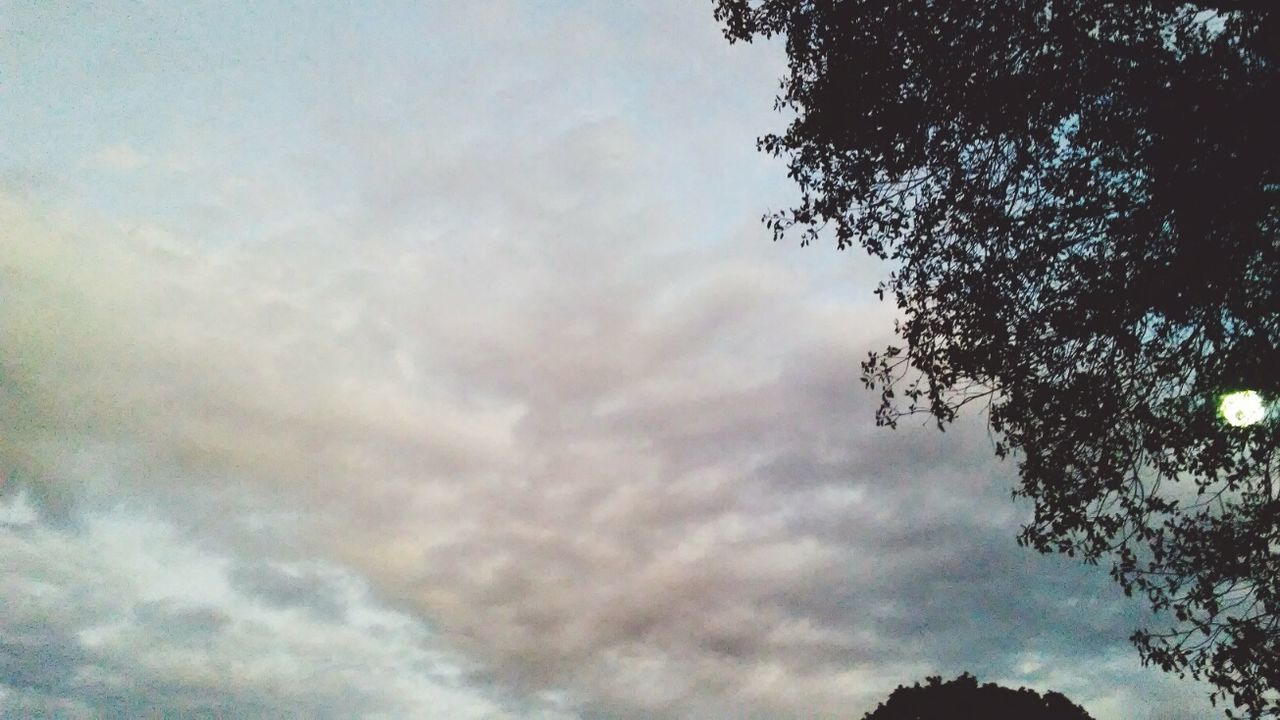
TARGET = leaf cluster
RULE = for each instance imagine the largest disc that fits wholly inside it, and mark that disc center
(1079, 201)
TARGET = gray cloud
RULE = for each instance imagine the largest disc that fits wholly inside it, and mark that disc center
(532, 372)
(290, 587)
(38, 658)
(123, 618)
(654, 487)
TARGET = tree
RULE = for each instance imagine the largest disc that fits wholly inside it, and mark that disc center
(964, 698)
(1079, 204)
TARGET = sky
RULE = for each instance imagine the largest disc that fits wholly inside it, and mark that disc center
(430, 360)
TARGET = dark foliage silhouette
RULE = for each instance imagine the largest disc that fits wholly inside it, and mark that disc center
(964, 698)
(1079, 203)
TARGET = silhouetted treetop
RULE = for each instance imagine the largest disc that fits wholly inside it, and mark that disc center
(964, 699)
(1079, 204)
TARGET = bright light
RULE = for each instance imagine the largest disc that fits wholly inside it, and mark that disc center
(1242, 408)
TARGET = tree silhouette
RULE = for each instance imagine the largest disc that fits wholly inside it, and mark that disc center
(964, 698)
(1079, 202)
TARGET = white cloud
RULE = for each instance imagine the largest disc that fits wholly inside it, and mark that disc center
(119, 157)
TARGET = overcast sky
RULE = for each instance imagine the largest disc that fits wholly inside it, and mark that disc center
(429, 360)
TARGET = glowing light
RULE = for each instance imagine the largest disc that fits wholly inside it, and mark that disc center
(1242, 408)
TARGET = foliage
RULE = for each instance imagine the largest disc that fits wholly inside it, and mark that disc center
(1079, 201)
(964, 698)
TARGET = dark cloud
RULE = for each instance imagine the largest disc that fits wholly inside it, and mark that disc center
(290, 588)
(38, 658)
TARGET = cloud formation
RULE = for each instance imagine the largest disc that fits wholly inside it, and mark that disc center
(527, 368)
(123, 617)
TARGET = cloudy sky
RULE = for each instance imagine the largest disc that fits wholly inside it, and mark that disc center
(429, 360)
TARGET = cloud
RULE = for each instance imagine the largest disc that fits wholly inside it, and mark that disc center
(651, 486)
(119, 157)
(529, 373)
(123, 617)
(289, 587)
